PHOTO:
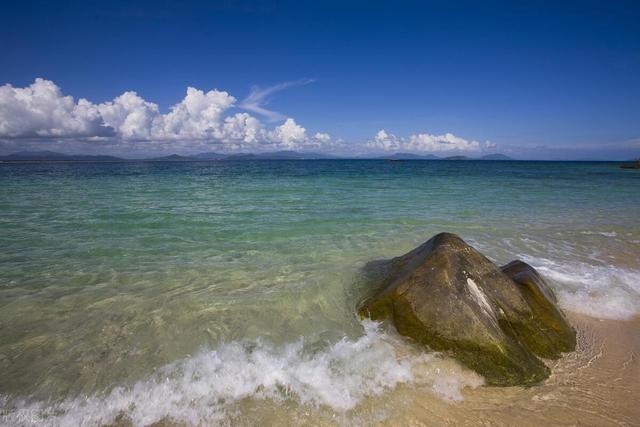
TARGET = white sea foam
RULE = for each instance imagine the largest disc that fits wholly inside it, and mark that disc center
(601, 233)
(602, 291)
(199, 389)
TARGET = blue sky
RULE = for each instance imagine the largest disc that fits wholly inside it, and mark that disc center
(530, 79)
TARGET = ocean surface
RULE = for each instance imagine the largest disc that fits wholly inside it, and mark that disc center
(205, 292)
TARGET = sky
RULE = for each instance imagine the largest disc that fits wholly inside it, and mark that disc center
(533, 80)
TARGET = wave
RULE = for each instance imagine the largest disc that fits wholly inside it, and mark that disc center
(200, 389)
(601, 291)
(600, 233)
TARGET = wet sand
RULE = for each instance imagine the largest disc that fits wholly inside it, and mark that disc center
(598, 385)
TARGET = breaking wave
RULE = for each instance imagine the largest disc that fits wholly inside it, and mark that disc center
(199, 390)
(602, 291)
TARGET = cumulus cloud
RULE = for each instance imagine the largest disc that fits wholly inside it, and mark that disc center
(198, 116)
(385, 141)
(488, 145)
(242, 127)
(289, 135)
(322, 137)
(423, 142)
(130, 116)
(42, 111)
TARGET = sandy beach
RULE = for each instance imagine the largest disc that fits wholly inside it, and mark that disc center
(595, 386)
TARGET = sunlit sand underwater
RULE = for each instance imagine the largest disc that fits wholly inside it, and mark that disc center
(204, 293)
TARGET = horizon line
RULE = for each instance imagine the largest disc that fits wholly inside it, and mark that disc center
(95, 158)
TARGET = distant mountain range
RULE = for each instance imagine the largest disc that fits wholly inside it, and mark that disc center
(171, 158)
(410, 156)
(276, 155)
(39, 156)
(495, 157)
(51, 156)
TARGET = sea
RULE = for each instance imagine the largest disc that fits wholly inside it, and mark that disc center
(225, 292)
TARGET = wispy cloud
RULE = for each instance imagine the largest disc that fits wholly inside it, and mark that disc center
(258, 98)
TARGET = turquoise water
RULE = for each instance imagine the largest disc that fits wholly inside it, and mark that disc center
(117, 277)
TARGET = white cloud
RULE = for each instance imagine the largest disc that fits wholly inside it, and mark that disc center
(258, 98)
(289, 135)
(422, 142)
(242, 127)
(488, 145)
(322, 137)
(199, 116)
(385, 141)
(131, 117)
(41, 111)
(446, 142)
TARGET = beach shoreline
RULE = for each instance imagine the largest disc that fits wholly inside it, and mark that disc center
(594, 386)
(597, 385)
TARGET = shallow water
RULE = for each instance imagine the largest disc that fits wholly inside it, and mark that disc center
(196, 291)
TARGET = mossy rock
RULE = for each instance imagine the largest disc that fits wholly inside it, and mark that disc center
(451, 298)
(548, 334)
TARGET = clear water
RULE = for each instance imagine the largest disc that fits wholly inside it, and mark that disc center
(177, 290)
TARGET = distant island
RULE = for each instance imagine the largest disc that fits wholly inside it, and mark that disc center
(52, 156)
(495, 157)
(457, 158)
(409, 156)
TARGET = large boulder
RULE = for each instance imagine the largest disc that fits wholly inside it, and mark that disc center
(451, 298)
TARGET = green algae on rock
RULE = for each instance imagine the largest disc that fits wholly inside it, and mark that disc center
(451, 298)
(548, 333)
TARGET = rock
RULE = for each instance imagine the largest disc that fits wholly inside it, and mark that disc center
(549, 333)
(451, 298)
